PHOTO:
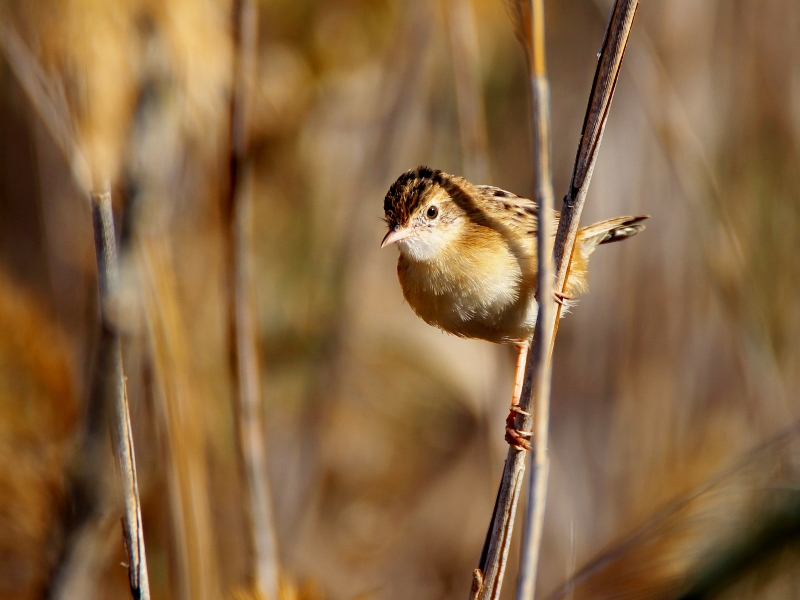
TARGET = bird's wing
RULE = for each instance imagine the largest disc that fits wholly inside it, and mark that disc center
(519, 215)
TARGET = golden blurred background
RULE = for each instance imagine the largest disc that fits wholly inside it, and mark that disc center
(676, 458)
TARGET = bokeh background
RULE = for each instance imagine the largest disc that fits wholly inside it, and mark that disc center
(676, 459)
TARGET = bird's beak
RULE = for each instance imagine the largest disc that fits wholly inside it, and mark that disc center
(395, 235)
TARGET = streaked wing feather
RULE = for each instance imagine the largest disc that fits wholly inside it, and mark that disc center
(515, 212)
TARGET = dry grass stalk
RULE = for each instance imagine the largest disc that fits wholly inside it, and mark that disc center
(48, 100)
(539, 364)
(243, 327)
(495, 551)
(107, 276)
(464, 52)
(196, 567)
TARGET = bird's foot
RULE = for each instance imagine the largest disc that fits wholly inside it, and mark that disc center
(515, 437)
(515, 409)
(561, 297)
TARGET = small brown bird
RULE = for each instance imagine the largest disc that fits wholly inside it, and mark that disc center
(468, 259)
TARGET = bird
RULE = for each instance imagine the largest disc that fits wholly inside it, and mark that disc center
(468, 264)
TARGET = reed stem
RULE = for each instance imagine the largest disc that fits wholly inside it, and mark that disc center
(116, 388)
(498, 541)
(541, 365)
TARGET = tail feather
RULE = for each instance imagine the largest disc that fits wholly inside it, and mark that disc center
(612, 230)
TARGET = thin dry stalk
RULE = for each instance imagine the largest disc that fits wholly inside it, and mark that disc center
(605, 81)
(495, 551)
(541, 365)
(48, 100)
(263, 567)
(463, 38)
(107, 277)
(196, 575)
(51, 108)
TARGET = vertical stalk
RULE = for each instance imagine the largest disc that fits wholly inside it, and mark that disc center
(263, 567)
(539, 362)
(464, 53)
(54, 115)
(116, 388)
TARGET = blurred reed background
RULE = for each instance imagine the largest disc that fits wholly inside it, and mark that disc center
(384, 437)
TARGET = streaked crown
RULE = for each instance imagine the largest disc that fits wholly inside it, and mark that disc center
(408, 192)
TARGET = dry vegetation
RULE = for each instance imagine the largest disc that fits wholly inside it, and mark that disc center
(673, 379)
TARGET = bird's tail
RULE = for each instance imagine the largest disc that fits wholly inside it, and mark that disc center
(612, 230)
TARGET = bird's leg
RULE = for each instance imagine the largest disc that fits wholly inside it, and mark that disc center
(519, 373)
(515, 437)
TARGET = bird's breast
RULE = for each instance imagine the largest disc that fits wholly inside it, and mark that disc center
(476, 293)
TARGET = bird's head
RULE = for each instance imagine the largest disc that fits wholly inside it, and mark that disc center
(426, 211)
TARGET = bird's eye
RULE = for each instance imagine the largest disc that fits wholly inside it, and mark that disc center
(432, 212)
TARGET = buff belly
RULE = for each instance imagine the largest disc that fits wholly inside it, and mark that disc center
(498, 307)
